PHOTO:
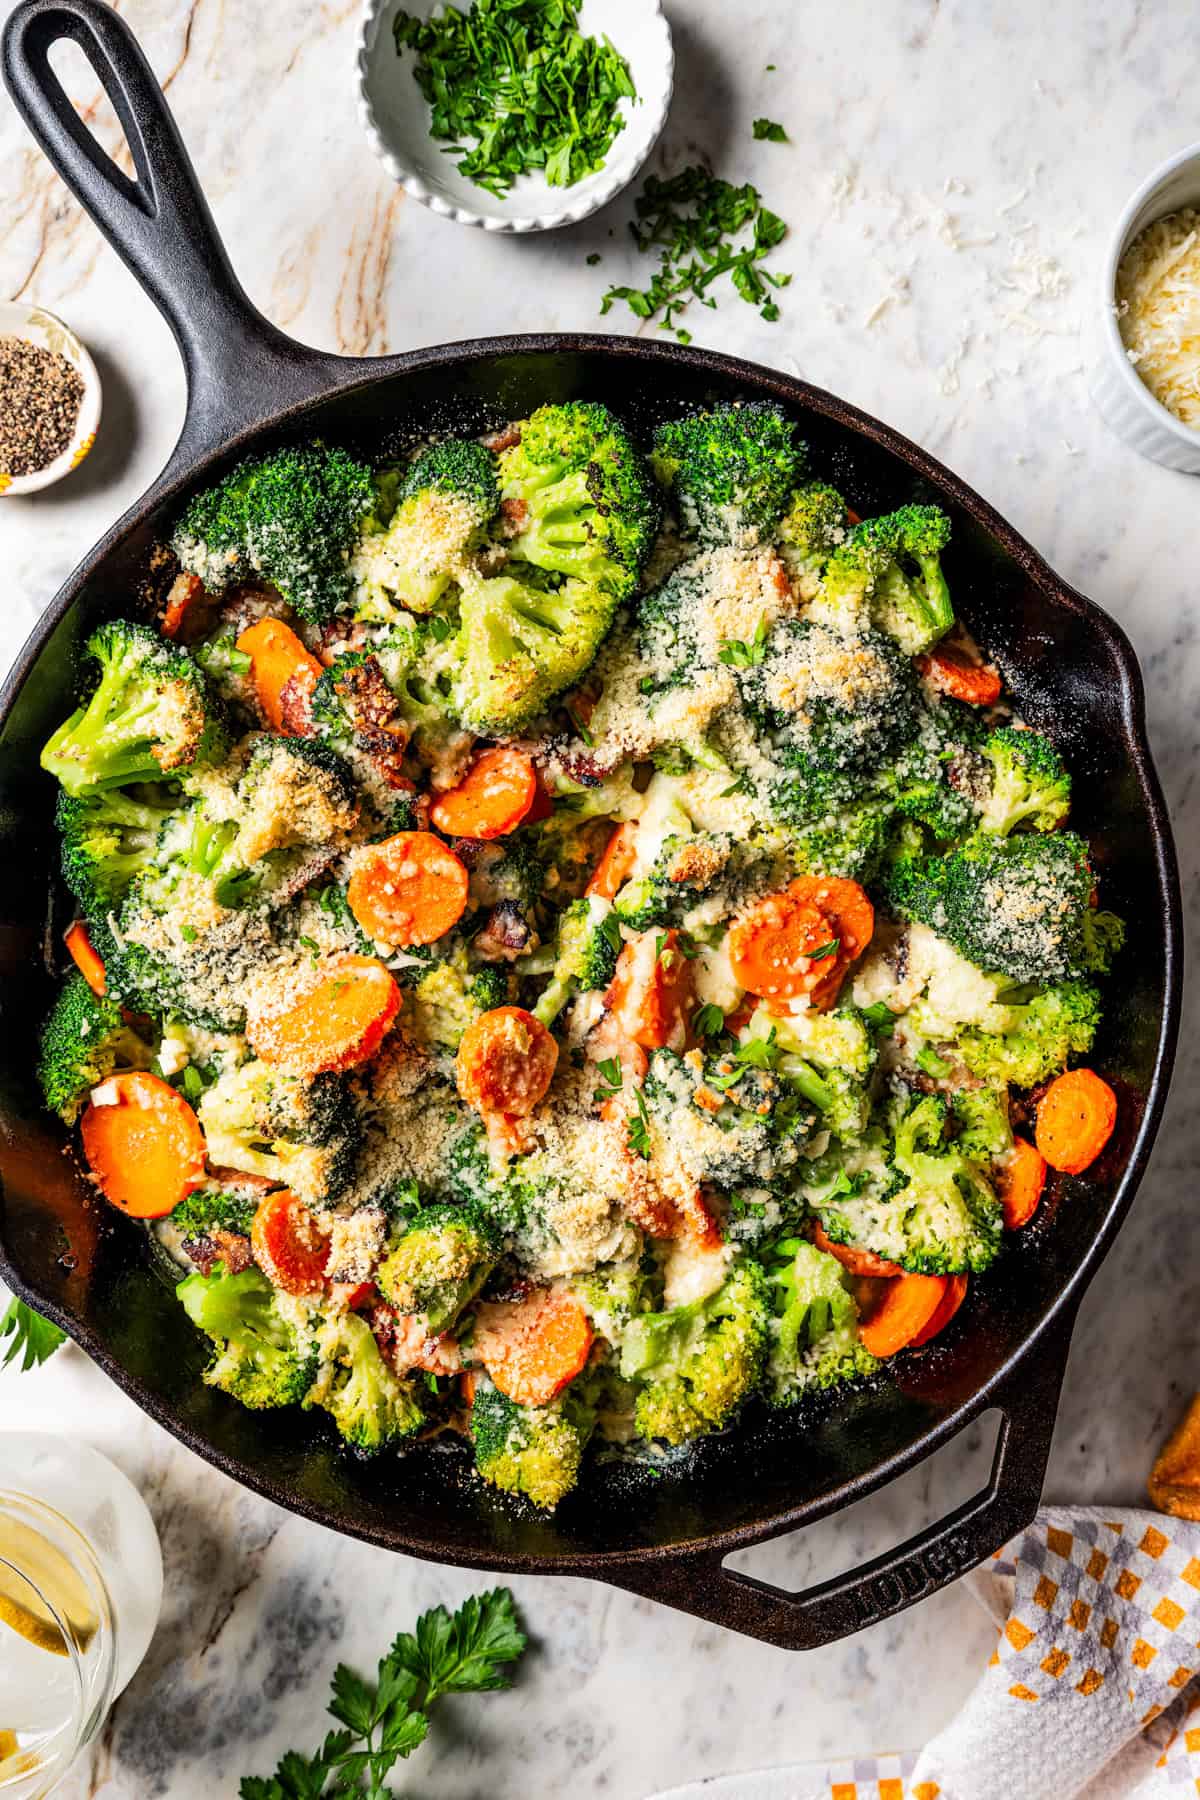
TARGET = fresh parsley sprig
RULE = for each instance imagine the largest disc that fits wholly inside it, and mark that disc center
(514, 85)
(703, 229)
(30, 1337)
(466, 1652)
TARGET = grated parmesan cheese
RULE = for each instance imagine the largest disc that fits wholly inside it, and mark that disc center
(1158, 311)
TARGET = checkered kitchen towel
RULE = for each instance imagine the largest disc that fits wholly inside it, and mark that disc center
(1093, 1689)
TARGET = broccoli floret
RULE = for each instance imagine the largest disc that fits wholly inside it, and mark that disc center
(696, 1364)
(108, 838)
(981, 1118)
(215, 1209)
(585, 955)
(532, 1451)
(852, 843)
(449, 498)
(291, 517)
(923, 1204)
(519, 643)
(1030, 786)
(370, 1405)
(814, 1328)
(1103, 935)
(260, 1359)
(439, 1265)
(813, 527)
(584, 499)
(617, 1293)
(731, 471)
(1013, 906)
(910, 599)
(447, 993)
(163, 962)
(1040, 1036)
(837, 708)
(498, 1195)
(84, 1040)
(304, 1134)
(689, 863)
(829, 1059)
(734, 1121)
(150, 714)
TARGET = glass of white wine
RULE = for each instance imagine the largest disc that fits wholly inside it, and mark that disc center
(80, 1591)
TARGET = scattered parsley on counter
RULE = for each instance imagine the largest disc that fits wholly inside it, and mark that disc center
(514, 86)
(460, 1653)
(770, 130)
(30, 1337)
(703, 228)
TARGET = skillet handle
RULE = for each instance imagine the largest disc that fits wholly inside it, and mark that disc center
(701, 1585)
(237, 364)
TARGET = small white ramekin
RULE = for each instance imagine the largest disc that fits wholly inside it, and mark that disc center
(21, 318)
(1121, 396)
(395, 117)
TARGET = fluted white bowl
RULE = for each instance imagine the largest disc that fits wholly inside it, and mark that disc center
(25, 319)
(396, 118)
(1121, 396)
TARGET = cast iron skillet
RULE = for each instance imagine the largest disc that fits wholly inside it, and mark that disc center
(1072, 670)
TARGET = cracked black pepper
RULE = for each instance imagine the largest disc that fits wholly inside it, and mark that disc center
(40, 396)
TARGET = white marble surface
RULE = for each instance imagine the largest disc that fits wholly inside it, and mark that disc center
(954, 172)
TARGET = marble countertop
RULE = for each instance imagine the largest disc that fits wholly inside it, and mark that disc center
(953, 176)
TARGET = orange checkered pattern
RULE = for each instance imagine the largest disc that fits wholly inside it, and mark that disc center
(1093, 1690)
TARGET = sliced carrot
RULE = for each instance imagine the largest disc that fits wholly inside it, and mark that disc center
(468, 1381)
(492, 799)
(186, 590)
(906, 1306)
(336, 1022)
(289, 1246)
(533, 1347)
(781, 946)
(86, 957)
(281, 668)
(506, 1061)
(143, 1143)
(652, 994)
(953, 673)
(616, 865)
(1075, 1119)
(354, 1294)
(1022, 1178)
(852, 517)
(856, 1261)
(410, 889)
(952, 1299)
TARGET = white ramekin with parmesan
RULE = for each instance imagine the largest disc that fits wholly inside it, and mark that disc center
(1149, 319)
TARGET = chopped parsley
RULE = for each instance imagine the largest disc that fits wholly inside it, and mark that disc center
(639, 1128)
(708, 1020)
(514, 86)
(829, 949)
(610, 1073)
(703, 228)
(769, 130)
(736, 655)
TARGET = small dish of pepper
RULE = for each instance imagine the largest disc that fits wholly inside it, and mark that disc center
(49, 399)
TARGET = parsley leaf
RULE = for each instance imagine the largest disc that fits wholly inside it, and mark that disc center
(703, 229)
(464, 1652)
(770, 130)
(736, 655)
(32, 1338)
(639, 1128)
(515, 86)
(449, 1653)
(708, 1020)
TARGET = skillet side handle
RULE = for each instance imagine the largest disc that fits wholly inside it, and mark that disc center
(159, 223)
(702, 1586)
